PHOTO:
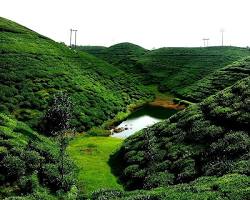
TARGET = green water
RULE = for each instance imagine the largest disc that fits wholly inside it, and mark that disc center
(142, 118)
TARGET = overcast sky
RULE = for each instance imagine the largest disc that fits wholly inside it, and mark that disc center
(149, 23)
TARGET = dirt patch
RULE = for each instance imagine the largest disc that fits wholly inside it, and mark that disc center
(166, 103)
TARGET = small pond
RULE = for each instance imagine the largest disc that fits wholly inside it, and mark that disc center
(142, 118)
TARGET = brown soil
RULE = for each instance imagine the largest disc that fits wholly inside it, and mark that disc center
(166, 103)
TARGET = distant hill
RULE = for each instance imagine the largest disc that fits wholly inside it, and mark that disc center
(176, 70)
(206, 139)
(33, 68)
(95, 50)
(122, 55)
(218, 80)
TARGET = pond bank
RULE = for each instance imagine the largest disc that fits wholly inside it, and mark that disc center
(166, 103)
(161, 100)
(142, 118)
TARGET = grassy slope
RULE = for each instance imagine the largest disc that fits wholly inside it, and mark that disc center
(206, 139)
(33, 68)
(91, 155)
(173, 69)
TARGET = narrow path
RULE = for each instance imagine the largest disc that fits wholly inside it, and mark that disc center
(91, 155)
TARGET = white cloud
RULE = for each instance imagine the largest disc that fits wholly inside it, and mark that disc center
(149, 23)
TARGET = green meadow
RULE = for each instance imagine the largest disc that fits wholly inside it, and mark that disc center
(91, 155)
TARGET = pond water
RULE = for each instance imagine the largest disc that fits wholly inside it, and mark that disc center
(142, 118)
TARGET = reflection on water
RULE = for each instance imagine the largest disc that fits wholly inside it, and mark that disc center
(142, 118)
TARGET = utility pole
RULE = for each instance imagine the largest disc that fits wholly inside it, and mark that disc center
(222, 37)
(70, 37)
(75, 37)
(205, 42)
(72, 44)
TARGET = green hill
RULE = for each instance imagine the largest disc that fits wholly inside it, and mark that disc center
(201, 152)
(218, 80)
(122, 55)
(175, 70)
(33, 68)
(95, 50)
(206, 139)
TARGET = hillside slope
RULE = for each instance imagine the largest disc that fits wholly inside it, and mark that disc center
(123, 55)
(176, 70)
(218, 80)
(206, 139)
(33, 68)
(228, 187)
(94, 50)
(29, 163)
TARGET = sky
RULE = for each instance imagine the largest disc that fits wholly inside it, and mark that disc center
(148, 23)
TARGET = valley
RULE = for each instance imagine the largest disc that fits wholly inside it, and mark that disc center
(180, 120)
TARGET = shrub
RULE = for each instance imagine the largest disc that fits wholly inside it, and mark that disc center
(33, 160)
(105, 194)
(13, 166)
(158, 179)
(28, 184)
(98, 132)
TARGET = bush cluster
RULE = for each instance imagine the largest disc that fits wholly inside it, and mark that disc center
(28, 161)
(210, 138)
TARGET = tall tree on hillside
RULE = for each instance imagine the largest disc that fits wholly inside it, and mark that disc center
(57, 124)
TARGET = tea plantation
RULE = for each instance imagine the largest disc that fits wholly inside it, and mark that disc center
(33, 68)
(177, 70)
(200, 153)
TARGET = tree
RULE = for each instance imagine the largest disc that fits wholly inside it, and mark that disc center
(57, 123)
(59, 114)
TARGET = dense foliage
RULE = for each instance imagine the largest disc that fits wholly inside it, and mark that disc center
(206, 139)
(228, 187)
(29, 163)
(58, 116)
(33, 68)
(218, 80)
(173, 69)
